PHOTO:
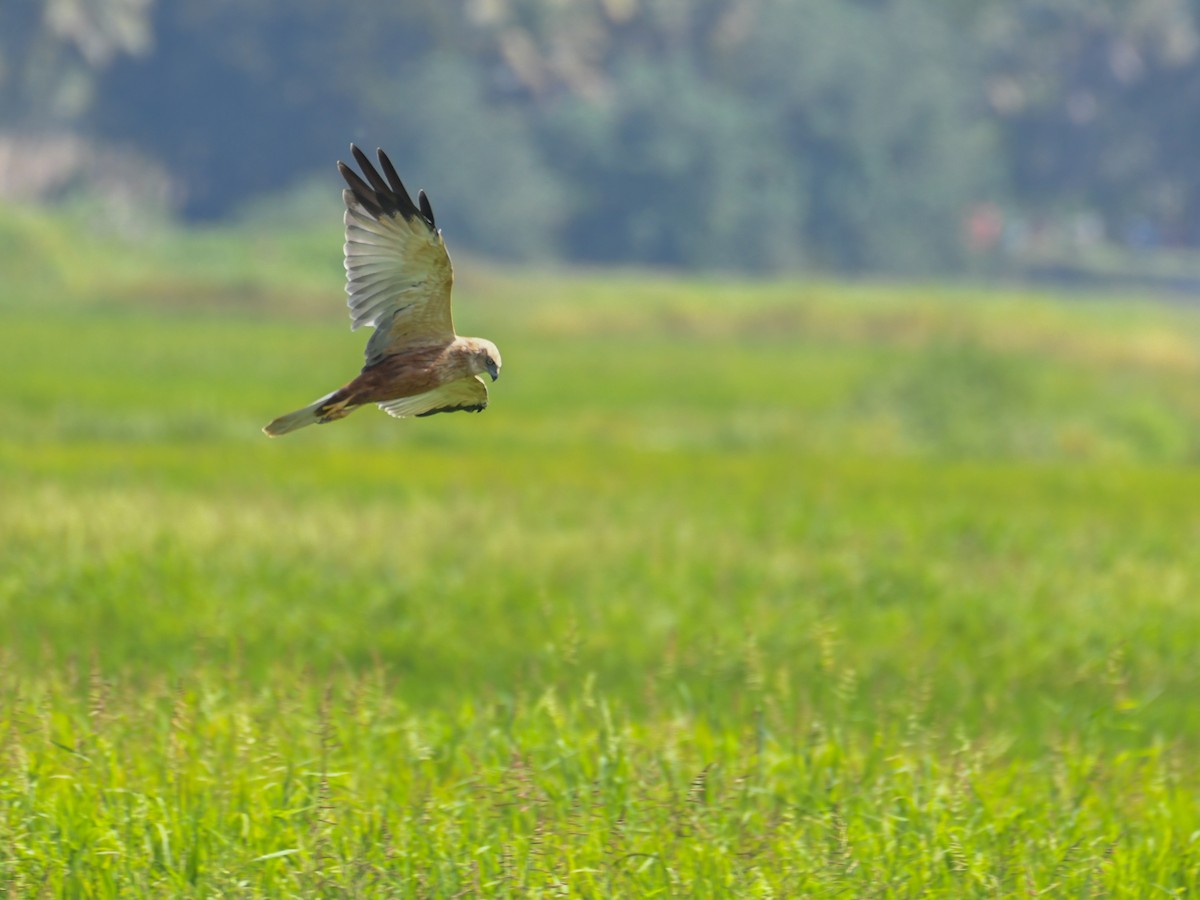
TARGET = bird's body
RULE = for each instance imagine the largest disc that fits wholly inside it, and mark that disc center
(420, 369)
(399, 281)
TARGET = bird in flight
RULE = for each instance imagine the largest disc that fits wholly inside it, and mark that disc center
(399, 279)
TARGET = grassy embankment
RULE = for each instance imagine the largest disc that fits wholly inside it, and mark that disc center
(752, 589)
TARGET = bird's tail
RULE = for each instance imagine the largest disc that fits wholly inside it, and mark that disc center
(328, 408)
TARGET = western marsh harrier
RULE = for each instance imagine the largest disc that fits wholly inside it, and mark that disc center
(399, 279)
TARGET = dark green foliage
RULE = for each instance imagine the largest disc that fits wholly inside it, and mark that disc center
(490, 183)
(242, 98)
(685, 138)
(1092, 101)
(871, 107)
(674, 168)
(752, 135)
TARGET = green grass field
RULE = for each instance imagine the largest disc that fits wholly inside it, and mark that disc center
(737, 589)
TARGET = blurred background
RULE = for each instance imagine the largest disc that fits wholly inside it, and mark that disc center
(1051, 138)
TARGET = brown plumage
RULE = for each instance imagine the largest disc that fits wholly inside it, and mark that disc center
(399, 280)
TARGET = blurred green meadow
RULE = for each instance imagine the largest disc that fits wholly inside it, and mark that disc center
(737, 589)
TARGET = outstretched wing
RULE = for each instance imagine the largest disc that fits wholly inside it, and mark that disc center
(467, 394)
(399, 274)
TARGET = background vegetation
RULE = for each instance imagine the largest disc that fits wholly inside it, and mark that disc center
(885, 135)
(783, 589)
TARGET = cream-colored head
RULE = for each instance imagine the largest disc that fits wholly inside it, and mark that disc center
(483, 356)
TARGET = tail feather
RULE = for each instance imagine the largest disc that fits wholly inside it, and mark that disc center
(315, 413)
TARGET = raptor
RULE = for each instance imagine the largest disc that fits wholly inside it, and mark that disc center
(399, 280)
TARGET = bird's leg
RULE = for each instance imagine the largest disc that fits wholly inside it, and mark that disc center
(340, 405)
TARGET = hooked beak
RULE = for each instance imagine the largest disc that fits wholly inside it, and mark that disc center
(493, 370)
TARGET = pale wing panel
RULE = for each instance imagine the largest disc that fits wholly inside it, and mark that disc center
(464, 395)
(396, 267)
(399, 276)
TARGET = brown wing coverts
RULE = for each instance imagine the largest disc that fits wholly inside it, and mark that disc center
(384, 198)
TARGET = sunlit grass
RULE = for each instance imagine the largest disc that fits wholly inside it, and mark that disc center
(338, 785)
(787, 589)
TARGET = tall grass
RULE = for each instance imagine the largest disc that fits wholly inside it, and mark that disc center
(736, 589)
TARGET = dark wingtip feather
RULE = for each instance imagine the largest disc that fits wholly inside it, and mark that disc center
(382, 197)
(369, 200)
(360, 157)
(426, 209)
(380, 186)
(389, 170)
(393, 179)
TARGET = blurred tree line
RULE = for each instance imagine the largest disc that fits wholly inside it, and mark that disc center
(751, 134)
